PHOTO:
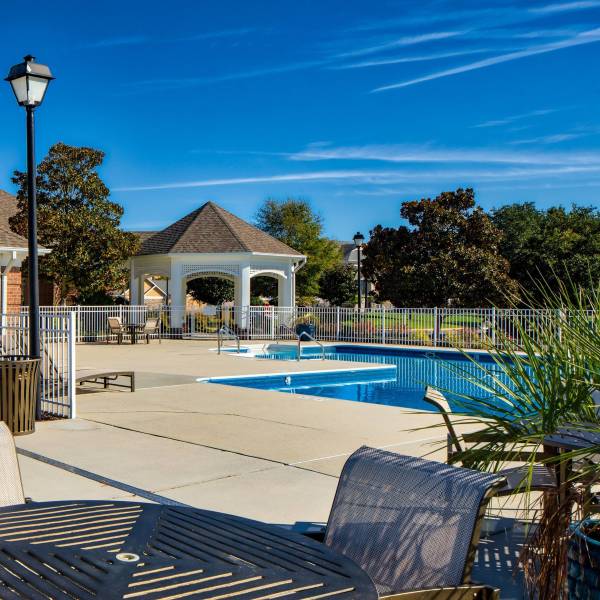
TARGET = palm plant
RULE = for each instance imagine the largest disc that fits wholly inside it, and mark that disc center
(532, 387)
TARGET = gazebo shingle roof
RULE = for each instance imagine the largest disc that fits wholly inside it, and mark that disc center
(212, 229)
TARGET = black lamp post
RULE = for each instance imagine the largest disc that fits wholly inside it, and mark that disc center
(29, 81)
(359, 238)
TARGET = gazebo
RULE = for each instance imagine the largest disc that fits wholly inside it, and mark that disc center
(212, 242)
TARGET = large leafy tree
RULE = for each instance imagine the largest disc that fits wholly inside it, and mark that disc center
(449, 253)
(78, 222)
(554, 244)
(294, 223)
(212, 290)
(338, 285)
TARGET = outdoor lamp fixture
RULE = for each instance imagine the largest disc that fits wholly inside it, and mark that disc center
(359, 238)
(29, 81)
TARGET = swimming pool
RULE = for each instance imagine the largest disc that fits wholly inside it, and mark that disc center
(403, 386)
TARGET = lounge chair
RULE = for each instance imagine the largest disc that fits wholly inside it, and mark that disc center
(105, 377)
(543, 478)
(11, 486)
(151, 327)
(117, 328)
(412, 524)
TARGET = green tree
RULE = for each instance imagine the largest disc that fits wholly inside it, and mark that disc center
(78, 222)
(553, 244)
(212, 290)
(338, 285)
(294, 223)
(448, 254)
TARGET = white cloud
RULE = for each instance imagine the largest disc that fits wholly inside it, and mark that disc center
(409, 40)
(586, 37)
(460, 176)
(511, 119)
(565, 7)
(555, 138)
(410, 59)
(427, 154)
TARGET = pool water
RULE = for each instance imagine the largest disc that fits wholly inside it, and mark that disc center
(403, 385)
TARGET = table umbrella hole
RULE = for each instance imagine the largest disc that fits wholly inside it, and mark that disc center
(127, 557)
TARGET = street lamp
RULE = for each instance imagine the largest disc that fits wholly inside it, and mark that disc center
(359, 238)
(29, 81)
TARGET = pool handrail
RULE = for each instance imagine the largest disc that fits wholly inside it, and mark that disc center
(227, 331)
(299, 337)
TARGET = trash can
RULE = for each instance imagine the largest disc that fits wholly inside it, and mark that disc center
(19, 376)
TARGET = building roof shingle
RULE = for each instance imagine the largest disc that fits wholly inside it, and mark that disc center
(212, 229)
(8, 238)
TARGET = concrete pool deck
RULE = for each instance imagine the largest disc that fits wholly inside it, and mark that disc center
(261, 454)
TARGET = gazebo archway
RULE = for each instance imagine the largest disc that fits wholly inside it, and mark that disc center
(213, 242)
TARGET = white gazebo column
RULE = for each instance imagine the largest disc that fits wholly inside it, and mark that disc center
(242, 297)
(178, 290)
(285, 288)
(136, 286)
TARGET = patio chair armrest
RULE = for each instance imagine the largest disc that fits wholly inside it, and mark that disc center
(461, 592)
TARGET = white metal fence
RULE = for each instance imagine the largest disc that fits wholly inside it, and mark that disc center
(57, 369)
(435, 327)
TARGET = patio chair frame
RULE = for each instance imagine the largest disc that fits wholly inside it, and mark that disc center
(119, 330)
(465, 590)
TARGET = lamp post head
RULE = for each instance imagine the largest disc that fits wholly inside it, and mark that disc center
(358, 239)
(29, 81)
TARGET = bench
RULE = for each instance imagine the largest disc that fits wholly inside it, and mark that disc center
(106, 378)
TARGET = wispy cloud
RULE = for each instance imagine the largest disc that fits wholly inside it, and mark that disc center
(426, 154)
(555, 138)
(586, 37)
(181, 82)
(409, 40)
(411, 59)
(384, 177)
(311, 176)
(511, 119)
(565, 7)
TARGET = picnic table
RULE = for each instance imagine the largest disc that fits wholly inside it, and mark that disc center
(96, 550)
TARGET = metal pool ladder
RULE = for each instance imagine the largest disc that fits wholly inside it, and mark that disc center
(225, 332)
(298, 351)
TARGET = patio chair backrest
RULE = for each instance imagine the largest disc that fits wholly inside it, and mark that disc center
(115, 324)
(437, 399)
(151, 325)
(11, 487)
(410, 523)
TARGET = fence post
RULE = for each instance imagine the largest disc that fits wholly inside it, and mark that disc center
(337, 325)
(435, 326)
(78, 332)
(72, 393)
(272, 324)
(493, 325)
(383, 324)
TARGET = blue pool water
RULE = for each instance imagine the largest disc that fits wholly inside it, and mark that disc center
(401, 385)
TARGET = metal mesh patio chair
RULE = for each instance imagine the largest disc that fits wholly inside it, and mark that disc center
(151, 327)
(411, 524)
(11, 487)
(117, 328)
(543, 477)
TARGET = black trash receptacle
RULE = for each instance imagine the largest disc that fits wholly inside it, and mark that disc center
(19, 376)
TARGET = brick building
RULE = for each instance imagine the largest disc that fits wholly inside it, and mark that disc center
(13, 250)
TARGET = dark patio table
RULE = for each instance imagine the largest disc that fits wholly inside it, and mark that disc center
(95, 550)
(133, 329)
(573, 438)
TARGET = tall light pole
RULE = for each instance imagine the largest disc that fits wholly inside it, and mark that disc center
(29, 81)
(359, 238)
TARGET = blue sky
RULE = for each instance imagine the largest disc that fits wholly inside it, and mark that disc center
(353, 105)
